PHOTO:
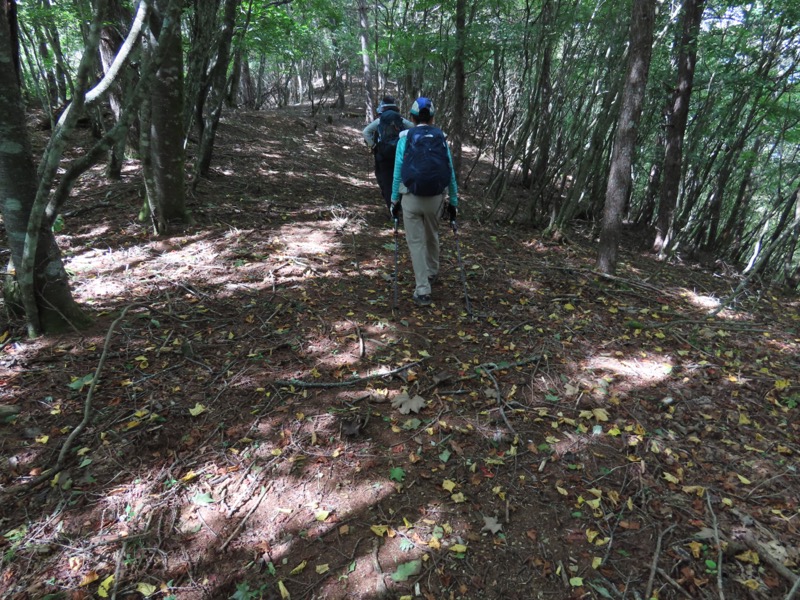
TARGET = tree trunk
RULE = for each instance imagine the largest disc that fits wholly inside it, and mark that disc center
(459, 118)
(364, 35)
(51, 307)
(215, 98)
(676, 124)
(166, 197)
(619, 180)
(111, 40)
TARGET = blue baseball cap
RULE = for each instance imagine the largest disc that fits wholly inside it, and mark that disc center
(421, 104)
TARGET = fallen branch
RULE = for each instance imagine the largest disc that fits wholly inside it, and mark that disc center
(355, 381)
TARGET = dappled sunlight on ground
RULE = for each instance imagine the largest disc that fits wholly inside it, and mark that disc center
(635, 372)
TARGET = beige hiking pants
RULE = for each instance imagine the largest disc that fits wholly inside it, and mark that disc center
(421, 223)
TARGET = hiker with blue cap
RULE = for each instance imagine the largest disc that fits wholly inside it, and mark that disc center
(381, 136)
(423, 170)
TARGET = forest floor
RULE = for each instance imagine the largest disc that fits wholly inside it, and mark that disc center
(265, 426)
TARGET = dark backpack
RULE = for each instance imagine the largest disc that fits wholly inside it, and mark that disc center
(426, 165)
(389, 128)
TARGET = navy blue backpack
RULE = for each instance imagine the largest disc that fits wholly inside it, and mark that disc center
(389, 128)
(426, 165)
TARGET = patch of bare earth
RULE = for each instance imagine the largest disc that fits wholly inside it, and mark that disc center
(254, 432)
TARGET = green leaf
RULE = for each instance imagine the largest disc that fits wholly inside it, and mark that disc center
(77, 384)
(445, 455)
(406, 570)
(406, 545)
(397, 474)
(203, 499)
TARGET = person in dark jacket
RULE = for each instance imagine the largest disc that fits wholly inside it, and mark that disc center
(384, 166)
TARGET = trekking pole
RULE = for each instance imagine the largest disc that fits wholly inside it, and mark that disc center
(461, 265)
(394, 292)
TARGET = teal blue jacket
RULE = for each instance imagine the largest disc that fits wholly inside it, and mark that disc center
(397, 183)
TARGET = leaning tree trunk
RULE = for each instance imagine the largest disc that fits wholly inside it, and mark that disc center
(215, 91)
(51, 307)
(619, 180)
(678, 117)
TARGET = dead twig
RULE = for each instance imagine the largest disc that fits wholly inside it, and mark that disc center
(264, 491)
(673, 583)
(87, 415)
(719, 547)
(654, 566)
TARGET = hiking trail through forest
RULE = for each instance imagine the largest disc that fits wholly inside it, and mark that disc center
(264, 426)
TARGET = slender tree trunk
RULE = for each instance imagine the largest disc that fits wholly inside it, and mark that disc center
(364, 35)
(215, 98)
(677, 120)
(459, 118)
(619, 180)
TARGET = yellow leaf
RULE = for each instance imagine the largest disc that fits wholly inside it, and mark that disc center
(458, 498)
(145, 589)
(576, 581)
(322, 515)
(424, 353)
(591, 534)
(320, 569)
(379, 530)
(596, 562)
(743, 479)
(614, 431)
(696, 548)
(600, 414)
(751, 584)
(595, 492)
(694, 489)
(782, 384)
(275, 452)
(189, 476)
(198, 409)
(458, 548)
(105, 585)
(42, 439)
(90, 577)
(285, 595)
(727, 502)
(748, 556)
(744, 419)
(299, 568)
(562, 491)
(671, 478)
(569, 306)
(434, 543)
(595, 504)
(449, 485)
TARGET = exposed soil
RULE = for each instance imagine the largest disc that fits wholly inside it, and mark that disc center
(576, 436)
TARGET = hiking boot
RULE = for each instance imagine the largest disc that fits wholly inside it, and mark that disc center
(422, 299)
